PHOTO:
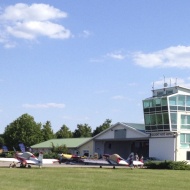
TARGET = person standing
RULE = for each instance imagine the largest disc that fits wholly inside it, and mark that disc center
(136, 157)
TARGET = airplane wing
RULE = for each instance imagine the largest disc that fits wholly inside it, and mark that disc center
(112, 160)
(44, 161)
(137, 163)
(9, 160)
(95, 162)
(50, 161)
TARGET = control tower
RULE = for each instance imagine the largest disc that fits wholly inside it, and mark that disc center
(167, 120)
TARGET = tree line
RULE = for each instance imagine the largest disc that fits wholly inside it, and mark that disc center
(24, 129)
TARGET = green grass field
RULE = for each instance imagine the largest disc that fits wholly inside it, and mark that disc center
(92, 179)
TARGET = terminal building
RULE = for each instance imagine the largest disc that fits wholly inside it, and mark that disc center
(165, 133)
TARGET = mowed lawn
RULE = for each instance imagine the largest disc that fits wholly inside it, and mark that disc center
(61, 178)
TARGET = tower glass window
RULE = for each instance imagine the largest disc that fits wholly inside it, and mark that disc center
(173, 101)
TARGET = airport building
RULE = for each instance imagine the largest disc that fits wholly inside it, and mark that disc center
(165, 133)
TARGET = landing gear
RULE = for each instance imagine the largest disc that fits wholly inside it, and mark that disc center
(12, 165)
(23, 165)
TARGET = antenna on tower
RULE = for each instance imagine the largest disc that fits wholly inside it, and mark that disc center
(153, 86)
(165, 84)
(176, 82)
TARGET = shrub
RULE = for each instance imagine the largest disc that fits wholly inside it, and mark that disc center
(180, 165)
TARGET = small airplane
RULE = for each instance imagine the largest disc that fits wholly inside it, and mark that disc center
(26, 159)
(108, 160)
(113, 160)
(68, 158)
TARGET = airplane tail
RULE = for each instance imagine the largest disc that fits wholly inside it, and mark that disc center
(118, 159)
(22, 147)
(40, 159)
(5, 149)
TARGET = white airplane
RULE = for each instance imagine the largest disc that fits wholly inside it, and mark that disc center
(26, 159)
(108, 160)
(113, 160)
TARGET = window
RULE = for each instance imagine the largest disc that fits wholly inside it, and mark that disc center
(173, 101)
(158, 102)
(165, 118)
(185, 140)
(169, 91)
(146, 104)
(160, 93)
(152, 119)
(147, 119)
(120, 133)
(187, 100)
(181, 100)
(188, 155)
(164, 101)
(159, 119)
(185, 121)
(173, 118)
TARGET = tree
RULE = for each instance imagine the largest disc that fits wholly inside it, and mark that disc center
(25, 130)
(102, 127)
(2, 142)
(82, 131)
(47, 132)
(64, 132)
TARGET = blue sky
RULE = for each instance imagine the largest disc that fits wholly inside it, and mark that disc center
(76, 62)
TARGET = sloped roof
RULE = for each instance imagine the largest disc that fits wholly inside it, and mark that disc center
(135, 126)
(69, 142)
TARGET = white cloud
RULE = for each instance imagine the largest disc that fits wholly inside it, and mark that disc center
(47, 105)
(85, 34)
(116, 55)
(30, 22)
(177, 56)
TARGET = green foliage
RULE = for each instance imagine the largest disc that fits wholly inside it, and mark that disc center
(2, 142)
(64, 132)
(9, 154)
(47, 132)
(25, 130)
(59, 149)
(102, 127)
(82, 131)
(51, 155)
(180, 165)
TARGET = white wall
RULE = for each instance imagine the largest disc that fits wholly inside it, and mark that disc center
(162, 148)
(130, 133)
(89, 146)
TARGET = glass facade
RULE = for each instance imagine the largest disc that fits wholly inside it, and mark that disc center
(156, 114)
(161, 113)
